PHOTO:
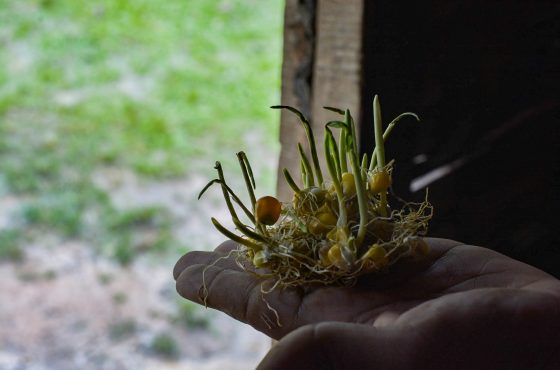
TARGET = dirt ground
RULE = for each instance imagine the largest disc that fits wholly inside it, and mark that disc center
(66, 307)
(58, 308)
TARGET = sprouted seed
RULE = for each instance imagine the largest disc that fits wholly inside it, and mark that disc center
(335, 228)
(267, 210)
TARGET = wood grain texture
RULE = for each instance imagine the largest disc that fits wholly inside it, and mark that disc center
(322, 67)
(299, 39)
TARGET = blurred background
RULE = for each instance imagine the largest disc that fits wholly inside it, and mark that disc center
(112, 114)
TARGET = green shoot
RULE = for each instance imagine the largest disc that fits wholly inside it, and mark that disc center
(335, 149)
(248, 176)
(236, 199)
(380, 150)
(306, 167)
(290, 181)
(361, 195)
(364, 165)
(330, 156)
(236, 238)
(310, 138)
(352, 128)
(334, 231)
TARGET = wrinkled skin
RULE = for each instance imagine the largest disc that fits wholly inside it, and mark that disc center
(462, 307)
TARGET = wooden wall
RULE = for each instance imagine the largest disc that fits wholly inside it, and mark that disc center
(483, 76)
(321, 67)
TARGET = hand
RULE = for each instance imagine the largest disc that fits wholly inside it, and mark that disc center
(462, 307)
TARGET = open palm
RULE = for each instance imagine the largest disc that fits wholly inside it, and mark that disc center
(462, 304)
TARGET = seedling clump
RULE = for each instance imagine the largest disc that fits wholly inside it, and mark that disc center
(335, 228)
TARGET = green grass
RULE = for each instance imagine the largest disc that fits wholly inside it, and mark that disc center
(62, 211)
(10, 246)
(122, 329)
(119, 298)
(141, 83)
(191, 316)
(164, 345)
(162, 88)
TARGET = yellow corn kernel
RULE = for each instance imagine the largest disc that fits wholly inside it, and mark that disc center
(376, 256)
(348, 184)
(334, 255)
(259, 259)
(379, 182)
(322, 223)
(327, 218)
(267, 210)
(338, 234)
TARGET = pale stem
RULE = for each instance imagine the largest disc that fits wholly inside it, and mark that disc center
(364, 164)
(352, 127)
(329, 157)
(236, 238)
(243, 228)
(361, 195)
(236, 199)
(310, 138)
(248, 176)
(290, 181)
(380, 150)
(305, 164)
(342, 151)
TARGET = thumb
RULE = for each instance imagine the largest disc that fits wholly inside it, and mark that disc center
(341, 346)
(482, 329)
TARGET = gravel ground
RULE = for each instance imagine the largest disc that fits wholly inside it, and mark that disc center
(66, 307)
(60, 309)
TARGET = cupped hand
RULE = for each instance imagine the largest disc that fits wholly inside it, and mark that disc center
(461, 307)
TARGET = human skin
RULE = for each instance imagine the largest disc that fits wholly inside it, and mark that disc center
(461, 307)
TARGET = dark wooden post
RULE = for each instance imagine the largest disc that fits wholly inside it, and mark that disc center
(482, 75)
(322, 66)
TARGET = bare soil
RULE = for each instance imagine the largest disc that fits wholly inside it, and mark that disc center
(67, 307)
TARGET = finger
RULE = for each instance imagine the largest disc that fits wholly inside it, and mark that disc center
(226, 247)
(227, 261)
(240, 295)
(341, 346)
(492, 329)
(440, 246)
(386, 318)
(222, 255)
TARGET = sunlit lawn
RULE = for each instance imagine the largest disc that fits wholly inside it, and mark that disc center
(160, 88)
